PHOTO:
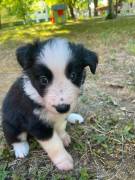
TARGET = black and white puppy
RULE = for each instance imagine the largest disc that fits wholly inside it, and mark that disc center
(40, 100)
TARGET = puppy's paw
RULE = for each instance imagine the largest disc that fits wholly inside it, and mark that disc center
(21, 149)
(66, 139)
(65, 165)
(74, 117)
(64, 161)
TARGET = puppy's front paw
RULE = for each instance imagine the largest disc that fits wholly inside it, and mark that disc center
(64, 161)
(66, 139)
(74, 117)
(65, 165)
(21, 149)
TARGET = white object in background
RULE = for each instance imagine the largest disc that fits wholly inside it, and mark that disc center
(74, 117)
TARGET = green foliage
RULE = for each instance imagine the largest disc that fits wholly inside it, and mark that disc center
(3, 172)
(52, 2)
(5, 153)
(84, 175)
(19, 8)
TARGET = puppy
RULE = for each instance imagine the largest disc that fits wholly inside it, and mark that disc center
(40, 100)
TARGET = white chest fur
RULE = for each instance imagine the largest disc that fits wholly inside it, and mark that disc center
(58, 120)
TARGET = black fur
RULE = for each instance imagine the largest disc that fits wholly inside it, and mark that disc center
(27, 55)
(18, 116)
(84, 57)
(76, 73)
(40, 77)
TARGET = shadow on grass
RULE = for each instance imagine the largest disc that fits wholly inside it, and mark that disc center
(13, 36)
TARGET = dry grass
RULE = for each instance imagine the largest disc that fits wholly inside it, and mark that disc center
(104, 146)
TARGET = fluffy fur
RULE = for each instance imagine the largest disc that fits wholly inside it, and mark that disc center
(40, 100)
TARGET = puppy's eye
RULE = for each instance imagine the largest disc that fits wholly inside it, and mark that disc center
(73, 76)
(43, 80)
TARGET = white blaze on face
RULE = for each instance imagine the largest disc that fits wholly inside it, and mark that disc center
(56, 55)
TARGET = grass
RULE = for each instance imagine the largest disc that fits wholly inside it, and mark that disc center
(104, 146)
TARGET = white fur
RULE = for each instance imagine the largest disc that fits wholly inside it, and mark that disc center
(59, 122)
(54, 118)
(74, 117)
(21, 149)
(61, 91)
(22, 136)
(41, 113)
(30, 90)
(55, 54)
(57, 153)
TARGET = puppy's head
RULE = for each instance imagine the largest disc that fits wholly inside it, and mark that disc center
(54, 71)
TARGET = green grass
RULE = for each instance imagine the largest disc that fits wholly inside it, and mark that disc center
(104, 31)
(102, 147)
(3, 172)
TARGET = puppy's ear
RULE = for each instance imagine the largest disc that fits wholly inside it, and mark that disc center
(90, 59)
(85, 56)
(23, 56)
(26, 55)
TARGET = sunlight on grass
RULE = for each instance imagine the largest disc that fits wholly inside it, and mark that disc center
(108, 32)
(27, 33)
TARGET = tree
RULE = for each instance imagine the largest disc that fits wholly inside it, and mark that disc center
(71, 4)
(0, 13)
(83, 6)
(20, 8)
(116, 7)
(89, 10)
(111, 14)
(95, 9)
(2, 5)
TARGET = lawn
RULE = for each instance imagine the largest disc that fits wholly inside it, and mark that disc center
(104, 146)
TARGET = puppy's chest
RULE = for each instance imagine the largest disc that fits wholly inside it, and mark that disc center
(47, 117)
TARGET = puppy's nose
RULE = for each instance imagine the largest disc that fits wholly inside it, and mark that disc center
(62, 108)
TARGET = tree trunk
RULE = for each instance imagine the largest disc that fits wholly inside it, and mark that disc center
(111, 14)
(0, 15)
(0, 20)
(95, 9)
(116, 7)
(89, 10)
(71, 11)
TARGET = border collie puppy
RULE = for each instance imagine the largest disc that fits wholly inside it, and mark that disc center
(40, 100)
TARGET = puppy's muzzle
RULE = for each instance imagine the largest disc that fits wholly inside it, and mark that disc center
(62, 108)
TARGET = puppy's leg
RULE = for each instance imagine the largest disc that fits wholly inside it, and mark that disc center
(60, 127)
(51, 143)
(17, 139)
(57, 153)
(21, 148)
